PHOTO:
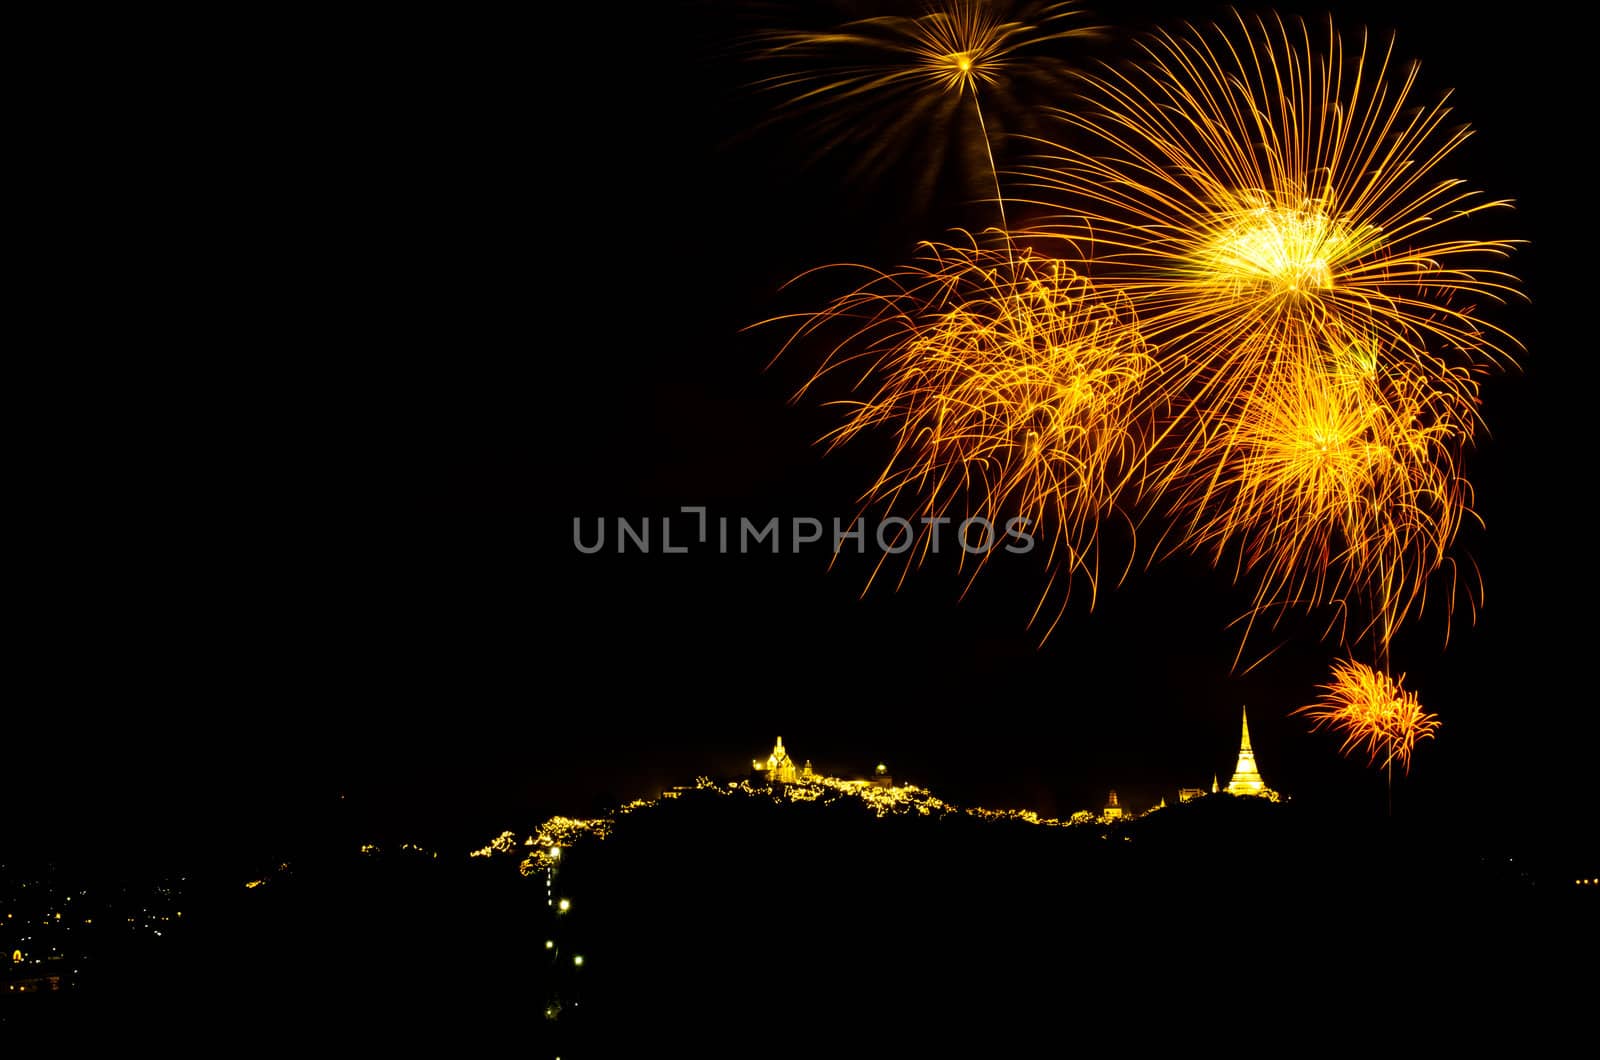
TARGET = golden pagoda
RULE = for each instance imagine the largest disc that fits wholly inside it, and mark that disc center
(779, 766)
(1246, 778)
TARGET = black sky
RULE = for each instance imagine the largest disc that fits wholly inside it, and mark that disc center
(375, 315)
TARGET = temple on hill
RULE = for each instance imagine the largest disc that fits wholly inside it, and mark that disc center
(779, 767)
(1246, 778)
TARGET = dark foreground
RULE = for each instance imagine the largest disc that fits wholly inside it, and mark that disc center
(736, 926)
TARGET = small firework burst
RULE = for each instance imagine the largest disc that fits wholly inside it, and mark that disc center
(895, 89)
(1375, 714)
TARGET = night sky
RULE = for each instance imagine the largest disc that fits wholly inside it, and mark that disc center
(368, 333)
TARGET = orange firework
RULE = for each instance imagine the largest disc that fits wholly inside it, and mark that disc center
(1337, 483)
(1375, 714)
(896, 87)
(1008, 386)
(1275, 207)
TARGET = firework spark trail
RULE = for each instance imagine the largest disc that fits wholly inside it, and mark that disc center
(1260, 205)
(1374, 713)
(1336, 483)
(1007, 385)
(874, 84)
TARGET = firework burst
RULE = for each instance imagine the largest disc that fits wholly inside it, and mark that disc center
(1337, 484)
(1276, 209)
(897, 87)
(1244, 191)
(1375, 714)
(1008, 387)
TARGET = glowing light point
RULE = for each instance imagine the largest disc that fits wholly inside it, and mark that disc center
(564, 905)
(1286, 249)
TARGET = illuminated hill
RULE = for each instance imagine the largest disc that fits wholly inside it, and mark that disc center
(880, 799)
(845, 902)
(825, 910)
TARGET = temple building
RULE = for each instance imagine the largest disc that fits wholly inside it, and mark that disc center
(1246, 778)
(1112, 810)
(779, 767)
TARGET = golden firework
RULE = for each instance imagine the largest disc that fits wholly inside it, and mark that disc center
(1008, 386)
(1246, 188)
(1276, 207)
(1374, 712)
(898, 87)
(1337, 483)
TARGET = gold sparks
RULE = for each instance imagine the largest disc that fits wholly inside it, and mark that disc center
(1007, 384)
(1248, 308)
(896, 89)
(1375, 714)
(1275, 207)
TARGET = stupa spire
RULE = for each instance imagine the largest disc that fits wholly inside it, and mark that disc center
(1246, 778)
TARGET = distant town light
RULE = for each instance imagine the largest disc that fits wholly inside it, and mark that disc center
(564, 905)
(577, 960)
(549, 944)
